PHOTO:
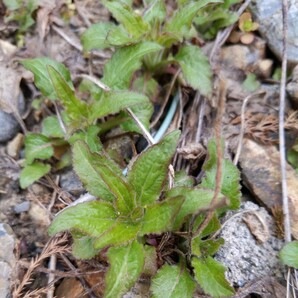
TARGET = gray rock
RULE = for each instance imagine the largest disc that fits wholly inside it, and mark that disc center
(245, 258)
(9, 126)
(70, 182)
(22, 207)
(7, 258)
(268, 14)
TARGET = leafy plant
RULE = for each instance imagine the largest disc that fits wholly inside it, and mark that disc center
(21, 12)
(131, 210)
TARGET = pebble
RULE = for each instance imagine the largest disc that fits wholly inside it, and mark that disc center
(8, 123)
(22, 207)
(70, 182)
(268, 14)
(245, 258)
(15, 145)
(7, 258)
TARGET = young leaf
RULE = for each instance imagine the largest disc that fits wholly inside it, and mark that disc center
(126, 265)
(91, 218)
(159, 216)
(205, 248)
(156, 12)
(114, 101)
(289, 254)
(181, 21)
(52, 128)
(125, 15)
(75, 108)
(119, 70)
(100, 175)
(211, 276)
(148, 173)
(37, 146)
(172, 282)
(95, 37)
(195, 199)
(195, 68)
(230, 186)
(41, 77)
(33, 172)
(82, 247)
(119, 37)
(117, 234)
(182, 179)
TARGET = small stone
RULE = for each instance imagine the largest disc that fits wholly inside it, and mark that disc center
(7, 258)
(15, 145)
(39, 215)
(70, 182)
(22, 207)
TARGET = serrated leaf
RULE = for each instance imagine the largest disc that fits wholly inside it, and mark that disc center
(148, 173)
(52, 128)
(114, 101)
(156, 12)
(32, 173)
(82, 247)
(172, 282)
(102, 177)
(211, 277)
(289, 254)
(37, 146)
(117, 234)
(91, 218)
(212, 226)
(125, 15)
(125, 61)
(75, 108)
(119, 37)
(159, 216)
(181, 21)
(41, 77)
(92, 139)
(95, 37)
(205, 248)
(126, 265)
(195, 68)
(230, 186)
(195, 199)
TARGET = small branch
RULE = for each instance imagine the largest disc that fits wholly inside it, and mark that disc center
(51, 278)
(96, 81)
(282, 150)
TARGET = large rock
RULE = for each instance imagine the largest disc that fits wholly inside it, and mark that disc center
(7, 258)
(249, 253)
(268, 14)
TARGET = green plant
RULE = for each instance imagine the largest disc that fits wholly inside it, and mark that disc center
(21, 12)
(134, 210)
(289, 254)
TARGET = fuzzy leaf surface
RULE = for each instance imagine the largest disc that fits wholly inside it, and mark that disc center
(101, 176)
(126, 265)
(195, 68)
(195, 199)
(289, 254)
(125, 61)
(159, 216)
(230, 186)
(41, 77)
(156, 12)
(32, 173)
(74, 107)
(114, 101)
(52, 128)
(182, 18)
(91, 218)
(148, 173)
(211, 276)
(37, 146)
(119, 233)
(125, 15)
(95, 37)
(172, 282)
(82, 247)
